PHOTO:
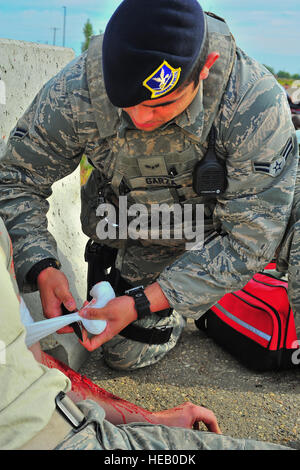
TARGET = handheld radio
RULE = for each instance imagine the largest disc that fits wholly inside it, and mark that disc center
(209, 174)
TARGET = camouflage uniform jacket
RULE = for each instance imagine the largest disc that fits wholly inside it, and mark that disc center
(243, 228)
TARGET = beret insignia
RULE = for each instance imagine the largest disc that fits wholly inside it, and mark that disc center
(162, 80)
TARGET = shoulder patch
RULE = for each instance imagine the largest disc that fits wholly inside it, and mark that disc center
(162, 80)
(275, 168)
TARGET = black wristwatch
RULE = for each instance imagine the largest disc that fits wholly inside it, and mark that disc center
(142, 304)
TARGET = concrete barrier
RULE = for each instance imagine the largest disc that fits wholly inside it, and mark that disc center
(24, 68)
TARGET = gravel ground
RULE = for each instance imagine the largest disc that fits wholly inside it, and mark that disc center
(263, 406)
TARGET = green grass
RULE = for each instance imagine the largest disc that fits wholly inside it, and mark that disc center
(285, 81)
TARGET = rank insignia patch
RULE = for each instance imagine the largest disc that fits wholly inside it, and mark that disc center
(276, 167)
(162, 80)
(272, 169)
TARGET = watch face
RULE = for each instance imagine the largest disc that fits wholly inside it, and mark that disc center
(142, 304)
(139, 294)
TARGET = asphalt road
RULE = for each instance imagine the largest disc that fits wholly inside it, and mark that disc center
(249, 404)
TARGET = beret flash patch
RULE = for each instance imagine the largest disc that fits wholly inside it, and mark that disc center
(162, 80)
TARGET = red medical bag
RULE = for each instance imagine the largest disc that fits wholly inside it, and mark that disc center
(256, 324)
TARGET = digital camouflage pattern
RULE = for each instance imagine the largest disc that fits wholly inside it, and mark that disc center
(72, 116)
(99, 434)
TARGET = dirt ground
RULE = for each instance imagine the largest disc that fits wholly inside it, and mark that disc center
(249, 404)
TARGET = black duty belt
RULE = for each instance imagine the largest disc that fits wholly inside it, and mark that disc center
(147, 335)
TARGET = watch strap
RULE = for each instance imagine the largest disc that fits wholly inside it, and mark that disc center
(142, 304)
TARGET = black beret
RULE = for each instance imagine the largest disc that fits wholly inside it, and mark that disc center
(150, 48)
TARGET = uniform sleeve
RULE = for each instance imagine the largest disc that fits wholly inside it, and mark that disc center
(43, 148)
(261, 158)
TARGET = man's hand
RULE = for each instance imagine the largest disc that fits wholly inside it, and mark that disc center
(54, 291)
(188, 416)
(118, 313)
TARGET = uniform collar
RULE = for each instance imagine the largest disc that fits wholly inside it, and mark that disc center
(192, 118)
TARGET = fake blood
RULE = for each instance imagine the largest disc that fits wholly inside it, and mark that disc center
(85, 388)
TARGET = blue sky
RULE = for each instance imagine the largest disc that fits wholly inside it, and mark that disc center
(268, 30)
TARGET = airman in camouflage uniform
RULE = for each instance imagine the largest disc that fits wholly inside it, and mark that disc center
(243, 227)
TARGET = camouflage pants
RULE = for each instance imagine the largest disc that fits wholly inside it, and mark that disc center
(99, 434)
(123, 353)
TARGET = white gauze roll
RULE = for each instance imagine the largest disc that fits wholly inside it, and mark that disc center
(101, 293)
(35, 331)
